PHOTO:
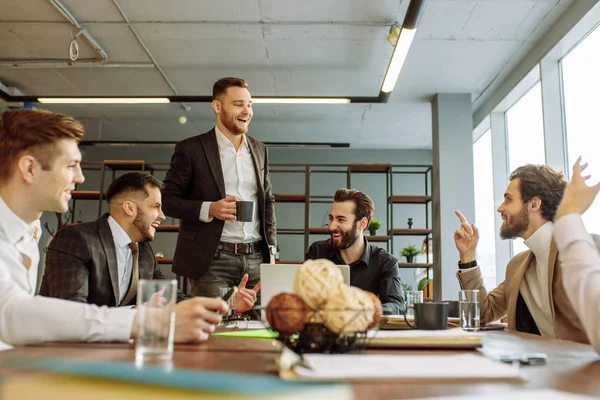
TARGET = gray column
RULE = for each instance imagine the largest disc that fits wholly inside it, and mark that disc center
(453, 186)
(555, 146)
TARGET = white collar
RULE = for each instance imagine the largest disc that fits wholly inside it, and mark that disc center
(14, 227)
(118, 233)
(541, 239)
(224, 142)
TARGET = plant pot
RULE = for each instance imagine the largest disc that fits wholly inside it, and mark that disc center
(372, 232)
(409, 259)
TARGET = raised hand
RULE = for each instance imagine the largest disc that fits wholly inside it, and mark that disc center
(466, 238)
(223, 209)
(578, 196)
(245, 298)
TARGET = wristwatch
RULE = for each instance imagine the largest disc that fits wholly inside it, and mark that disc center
(273, 249)
(467, 265)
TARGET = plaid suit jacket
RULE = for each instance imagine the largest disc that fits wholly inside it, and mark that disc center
(196, 176)
(81, 265)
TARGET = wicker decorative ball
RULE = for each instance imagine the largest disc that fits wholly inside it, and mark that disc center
(376, 307)
(316, 281)
(349, 310)
(287, 313)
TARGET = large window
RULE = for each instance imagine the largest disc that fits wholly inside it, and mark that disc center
(581, 86)
(484, 208)
(525, 127)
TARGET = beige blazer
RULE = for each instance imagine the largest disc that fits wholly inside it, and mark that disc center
(502, 301)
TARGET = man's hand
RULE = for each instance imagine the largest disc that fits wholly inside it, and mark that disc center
(196, 318)
(245, 298)
(223, 209)
(578, 196)
(466, 238)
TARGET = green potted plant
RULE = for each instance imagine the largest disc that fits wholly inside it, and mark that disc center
(423, 282)
(373, 226)
(409, 252)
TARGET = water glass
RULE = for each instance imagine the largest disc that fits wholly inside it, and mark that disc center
(469, 309)
(413, 297)
(155, 320)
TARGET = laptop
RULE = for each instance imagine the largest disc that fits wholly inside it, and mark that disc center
(277, 278)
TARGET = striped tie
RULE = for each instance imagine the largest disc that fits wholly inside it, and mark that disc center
(133, 284)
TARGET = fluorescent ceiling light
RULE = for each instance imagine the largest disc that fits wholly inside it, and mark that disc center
(398, 58)
(300, 100)
(104, 100)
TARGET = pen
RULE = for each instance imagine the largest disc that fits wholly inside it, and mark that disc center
(230, 293)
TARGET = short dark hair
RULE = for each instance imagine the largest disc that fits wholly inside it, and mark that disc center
(36, 132)
(221, 86)
(543, 181)
(132, 182)
(364, 206)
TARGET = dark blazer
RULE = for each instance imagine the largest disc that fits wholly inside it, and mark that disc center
(81, 265)
(195, 176)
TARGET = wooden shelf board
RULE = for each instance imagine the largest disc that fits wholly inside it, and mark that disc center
(168, 228)
(288, 262)
(410, 232)
(368, 167)
(87, 195)
(319, 231)
(378, 238)
(125, 165)
(164, 260)
(403, 199)
(414, 265)
(290, 197)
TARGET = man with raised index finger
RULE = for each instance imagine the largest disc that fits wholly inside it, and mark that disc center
(532, 294)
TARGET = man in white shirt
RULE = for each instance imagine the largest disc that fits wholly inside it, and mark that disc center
(93, 262)
(531, 296)
(40, 167)
(208, 174)
(578, 252)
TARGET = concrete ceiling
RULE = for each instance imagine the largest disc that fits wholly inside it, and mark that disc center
(281, 47)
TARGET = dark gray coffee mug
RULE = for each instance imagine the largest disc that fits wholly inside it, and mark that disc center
(244, 211)
(453, 308)
(429, 316)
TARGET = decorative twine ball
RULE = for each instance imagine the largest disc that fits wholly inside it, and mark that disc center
(376, 307)
(345, 311)
(316, 281)
(287, 313)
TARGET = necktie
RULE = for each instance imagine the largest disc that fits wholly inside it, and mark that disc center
(133, 284)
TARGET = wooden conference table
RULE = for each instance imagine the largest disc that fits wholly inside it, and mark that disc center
(570, 367)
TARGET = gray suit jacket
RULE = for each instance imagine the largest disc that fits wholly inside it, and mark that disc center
(81, 265)
(196, 176)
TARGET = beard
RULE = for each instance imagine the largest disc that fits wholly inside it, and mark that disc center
(142, 226)
(229, 121)
(348, 238)
(518, 225)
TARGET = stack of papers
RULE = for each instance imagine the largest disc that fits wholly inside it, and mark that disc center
(546, 394)
(410, 368)
(454, 338)
(398, 322)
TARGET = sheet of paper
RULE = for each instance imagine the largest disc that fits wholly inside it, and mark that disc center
(406, 367)
(546, 394)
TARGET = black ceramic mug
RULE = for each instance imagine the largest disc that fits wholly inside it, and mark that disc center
(431, 316)
(244, 211)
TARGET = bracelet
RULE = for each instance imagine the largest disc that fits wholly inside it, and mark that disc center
(467, 265)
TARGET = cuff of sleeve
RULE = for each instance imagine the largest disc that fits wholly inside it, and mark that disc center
(118, 327)
(204, 212)
(570, 229)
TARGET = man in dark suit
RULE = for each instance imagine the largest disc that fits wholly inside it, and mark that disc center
(95, 262)
(208, 174)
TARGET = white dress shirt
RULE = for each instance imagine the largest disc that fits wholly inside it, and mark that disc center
(25, 318)
(535, 286)
(580, 263)
(240, 181)
(124, 256)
